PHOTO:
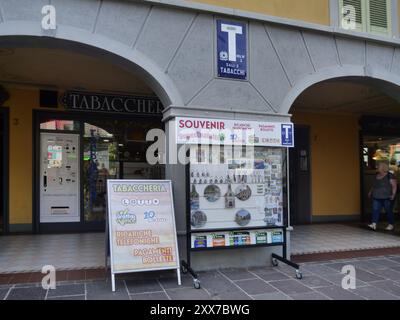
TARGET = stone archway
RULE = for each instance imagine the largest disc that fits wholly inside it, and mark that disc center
(81, 41)
(378, 77)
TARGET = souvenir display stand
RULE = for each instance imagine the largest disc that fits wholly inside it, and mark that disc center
(236, 202)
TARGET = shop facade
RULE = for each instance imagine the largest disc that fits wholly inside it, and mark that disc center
(77, 152)
(185, 76)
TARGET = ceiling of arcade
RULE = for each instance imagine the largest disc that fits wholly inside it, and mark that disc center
(342, 97)
(60, 69)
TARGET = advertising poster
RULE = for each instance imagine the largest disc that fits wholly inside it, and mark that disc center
(141, 226)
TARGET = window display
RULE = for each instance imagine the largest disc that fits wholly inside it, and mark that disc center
(232, 193)
(236, 192)
(236, 182)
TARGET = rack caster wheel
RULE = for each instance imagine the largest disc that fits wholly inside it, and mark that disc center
(275, 262)
(299, 275)
(184, 270)
(196, 283)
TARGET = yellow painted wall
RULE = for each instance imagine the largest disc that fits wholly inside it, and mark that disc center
(335, 163)
(21, 105)
(314, 11)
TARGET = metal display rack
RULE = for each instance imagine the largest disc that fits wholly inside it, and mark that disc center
(186, 266)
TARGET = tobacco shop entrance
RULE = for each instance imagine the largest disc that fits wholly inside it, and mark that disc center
(98, 137)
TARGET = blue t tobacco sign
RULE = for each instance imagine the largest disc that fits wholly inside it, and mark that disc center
(232, 49)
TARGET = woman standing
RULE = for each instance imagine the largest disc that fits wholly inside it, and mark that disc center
(383, 192)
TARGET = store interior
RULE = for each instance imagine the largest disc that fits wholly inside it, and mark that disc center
(111, 149)
(379, 149)
(352, 125)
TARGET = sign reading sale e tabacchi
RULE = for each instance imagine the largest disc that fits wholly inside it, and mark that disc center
(232, 49)
(141, 226)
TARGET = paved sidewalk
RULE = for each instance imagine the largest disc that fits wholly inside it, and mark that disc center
(28, 253)
(377, 278)
(335, 237)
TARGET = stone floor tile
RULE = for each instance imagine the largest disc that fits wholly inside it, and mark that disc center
(272, 296)
(150, 296)
(101, 290)
(143, 286)
(309, 296)
(290, 286)
(255, 286)
(388, 286)
(237, 274)
(337, 293)
(33, 293)
(373, 293)
(66, 290)
(188, 294)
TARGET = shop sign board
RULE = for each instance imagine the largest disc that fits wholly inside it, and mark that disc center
(141, 223)
(232, 49)
(234, 132)
(111, 103)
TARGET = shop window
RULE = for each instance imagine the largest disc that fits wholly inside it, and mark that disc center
(114, 149)
(235, 197)
(371, 16)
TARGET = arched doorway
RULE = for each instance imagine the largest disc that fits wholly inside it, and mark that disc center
(337, 122)
(38, 75)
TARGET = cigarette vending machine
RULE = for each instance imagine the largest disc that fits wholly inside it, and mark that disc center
(59, 178)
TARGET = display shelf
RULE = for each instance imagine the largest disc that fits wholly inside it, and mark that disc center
(228, 214)
(237, 247)
(236, 229)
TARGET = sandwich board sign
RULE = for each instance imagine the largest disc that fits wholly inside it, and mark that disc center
(141, 224)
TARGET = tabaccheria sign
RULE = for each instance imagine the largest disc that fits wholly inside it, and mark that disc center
(109, 103)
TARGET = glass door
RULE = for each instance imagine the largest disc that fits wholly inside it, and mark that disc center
(114, 149)
(100, 162)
